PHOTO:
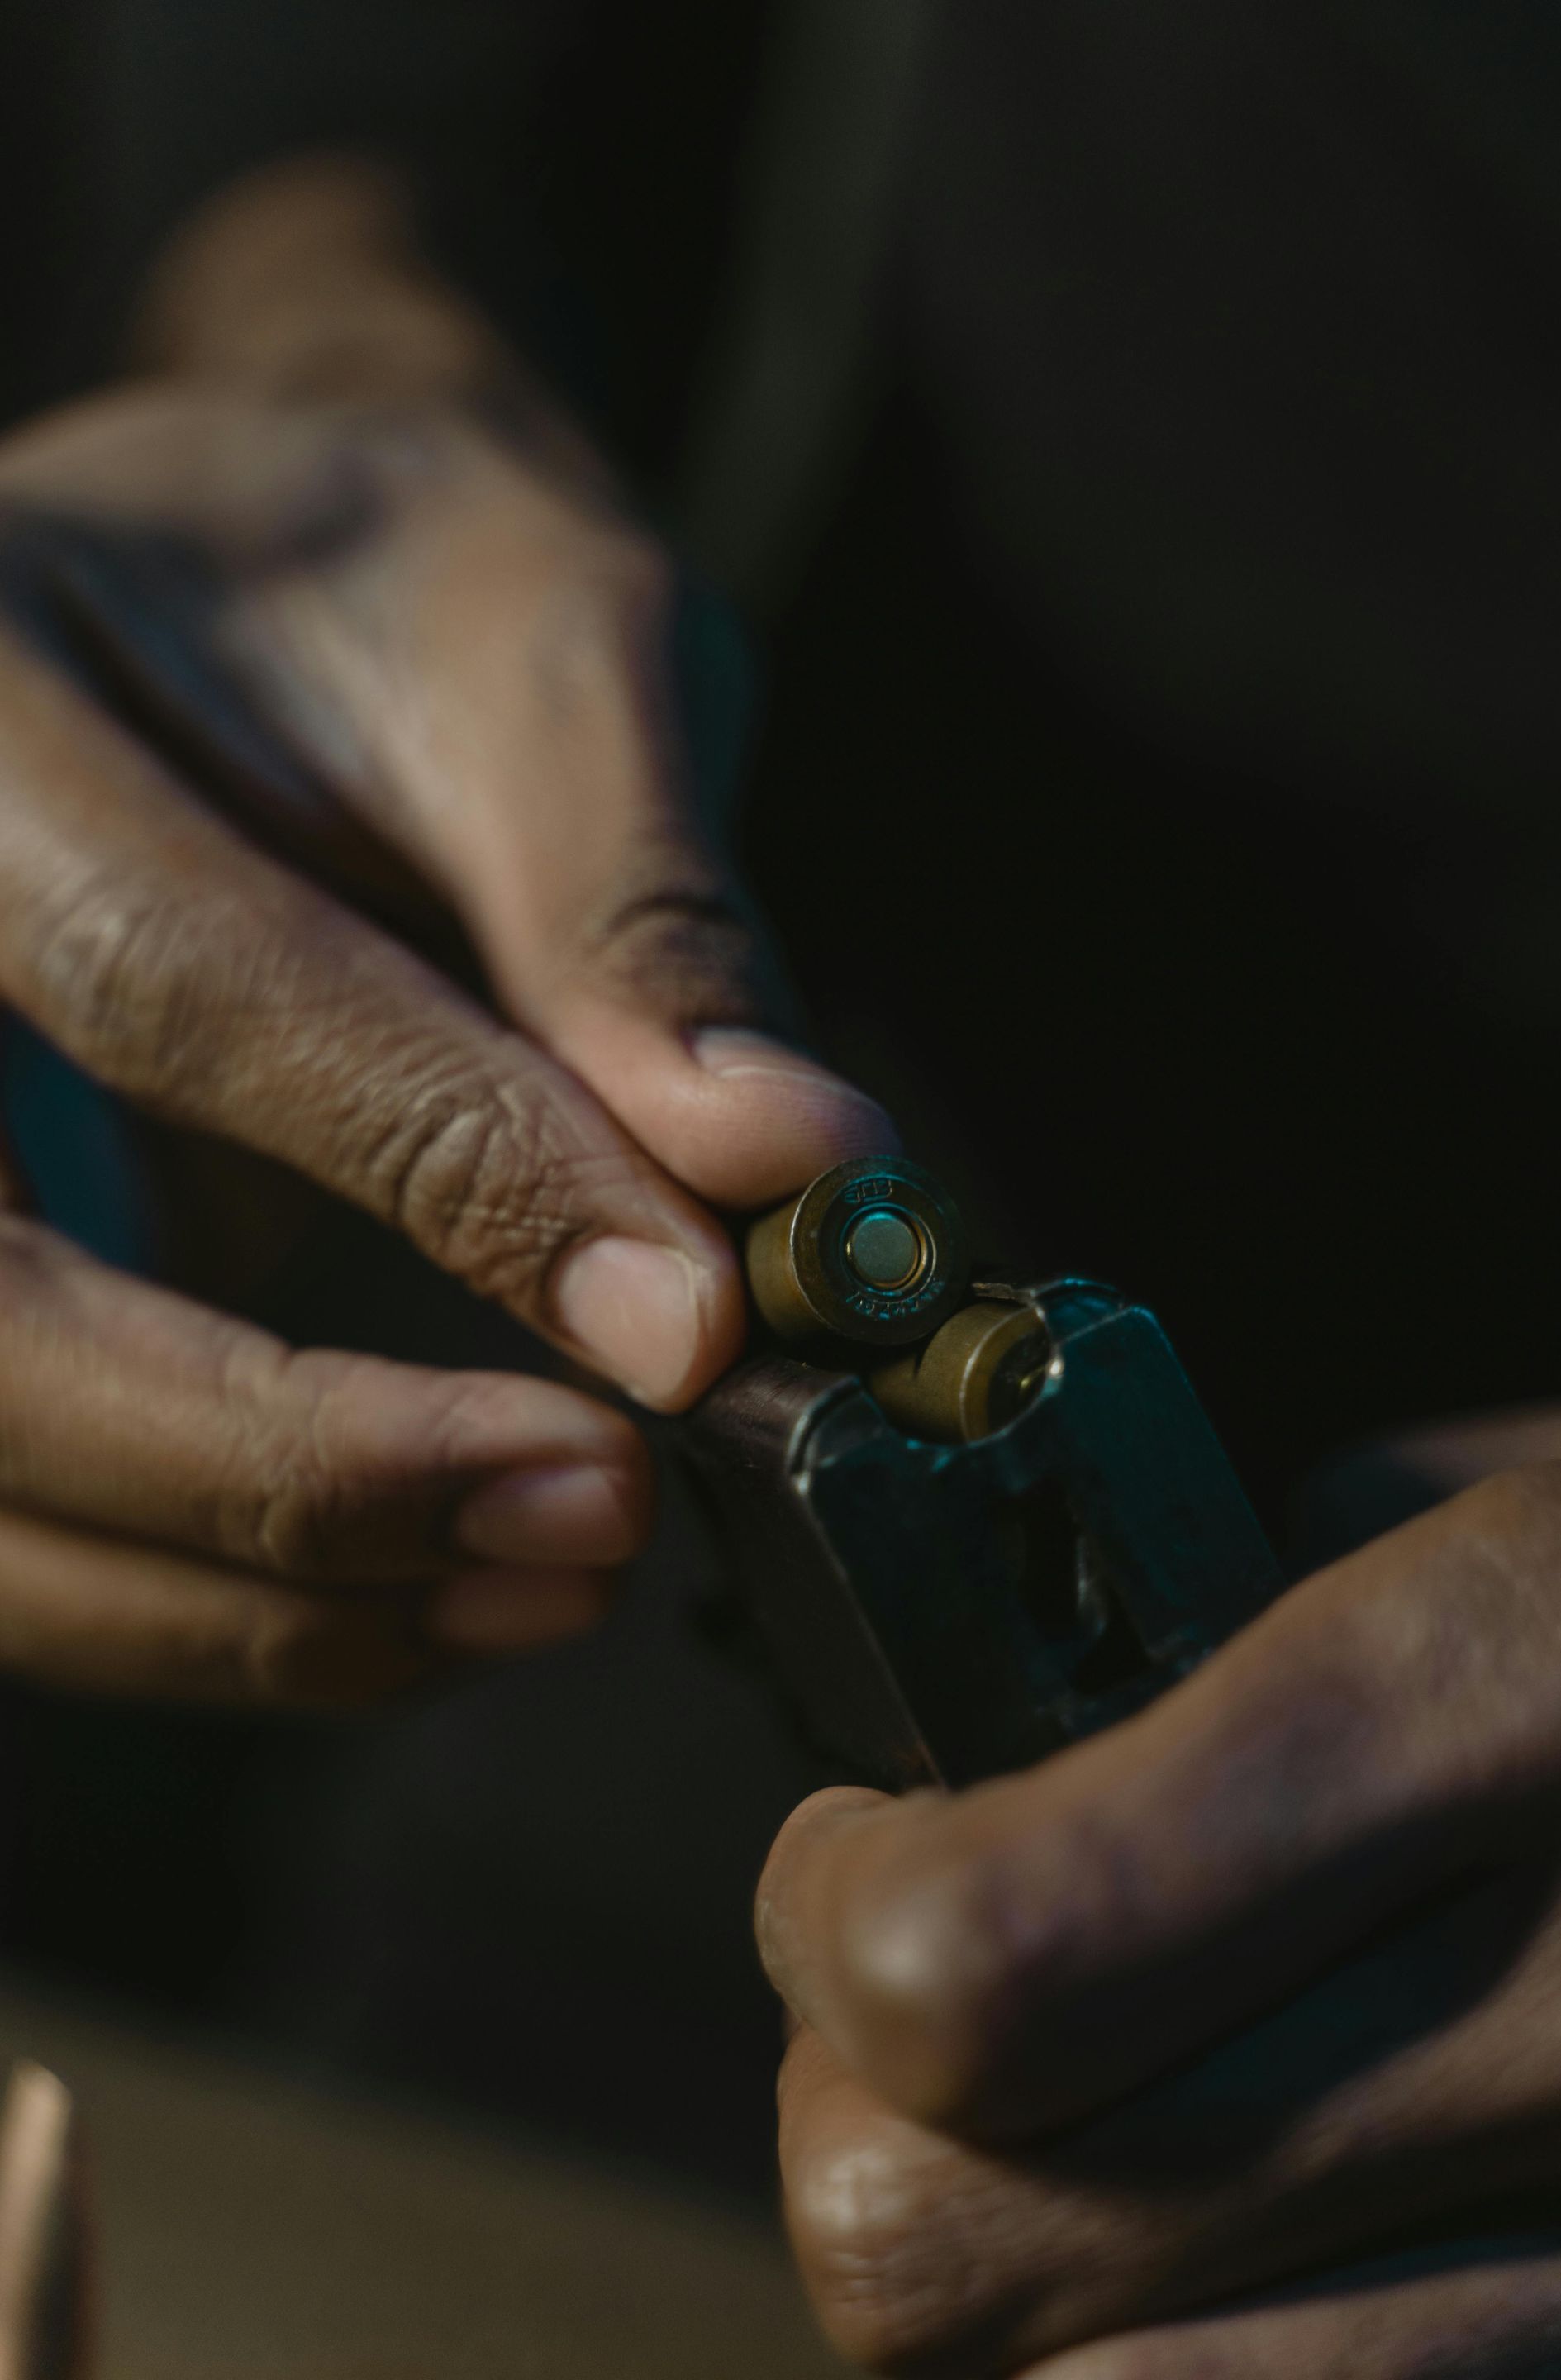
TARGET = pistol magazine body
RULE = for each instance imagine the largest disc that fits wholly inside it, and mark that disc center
(965, 1559)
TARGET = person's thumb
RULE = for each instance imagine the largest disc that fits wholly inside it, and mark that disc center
(502, 652)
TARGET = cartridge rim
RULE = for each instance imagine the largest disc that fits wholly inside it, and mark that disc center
(900, 1208)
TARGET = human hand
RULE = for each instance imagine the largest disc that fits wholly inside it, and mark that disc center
(328, 621)
(1262, 1984)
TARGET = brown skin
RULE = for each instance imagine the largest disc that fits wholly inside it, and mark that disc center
(333, 510)
(1078, 2054)
(1261, 1984)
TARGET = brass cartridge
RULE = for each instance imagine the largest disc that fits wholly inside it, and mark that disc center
(873, 1253)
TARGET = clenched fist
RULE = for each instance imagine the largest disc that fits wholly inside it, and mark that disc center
(1225, 2046)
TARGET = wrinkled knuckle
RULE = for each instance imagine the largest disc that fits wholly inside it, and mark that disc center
(932, 1972)
(463, 1175)
(136, 987)
(277, 1503)
(427, 1170)
(861, 2216)
(1480, 1583)
(673, 935)
(489, 1183)
(104, 971)
(290, 1519)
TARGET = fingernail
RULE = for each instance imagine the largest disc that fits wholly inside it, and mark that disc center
(633, 1309)
(576, 1512)
(511, 1610)
(732, 1051)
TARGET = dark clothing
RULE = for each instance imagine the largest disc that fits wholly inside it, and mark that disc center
(1243, 335)
(576, 157)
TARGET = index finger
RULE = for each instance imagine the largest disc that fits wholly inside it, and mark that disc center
(1009, 1960)
(182, 967)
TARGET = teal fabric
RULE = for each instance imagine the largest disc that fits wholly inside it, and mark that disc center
(78, 1152)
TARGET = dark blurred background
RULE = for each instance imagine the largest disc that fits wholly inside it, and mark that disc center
(1130, 434)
